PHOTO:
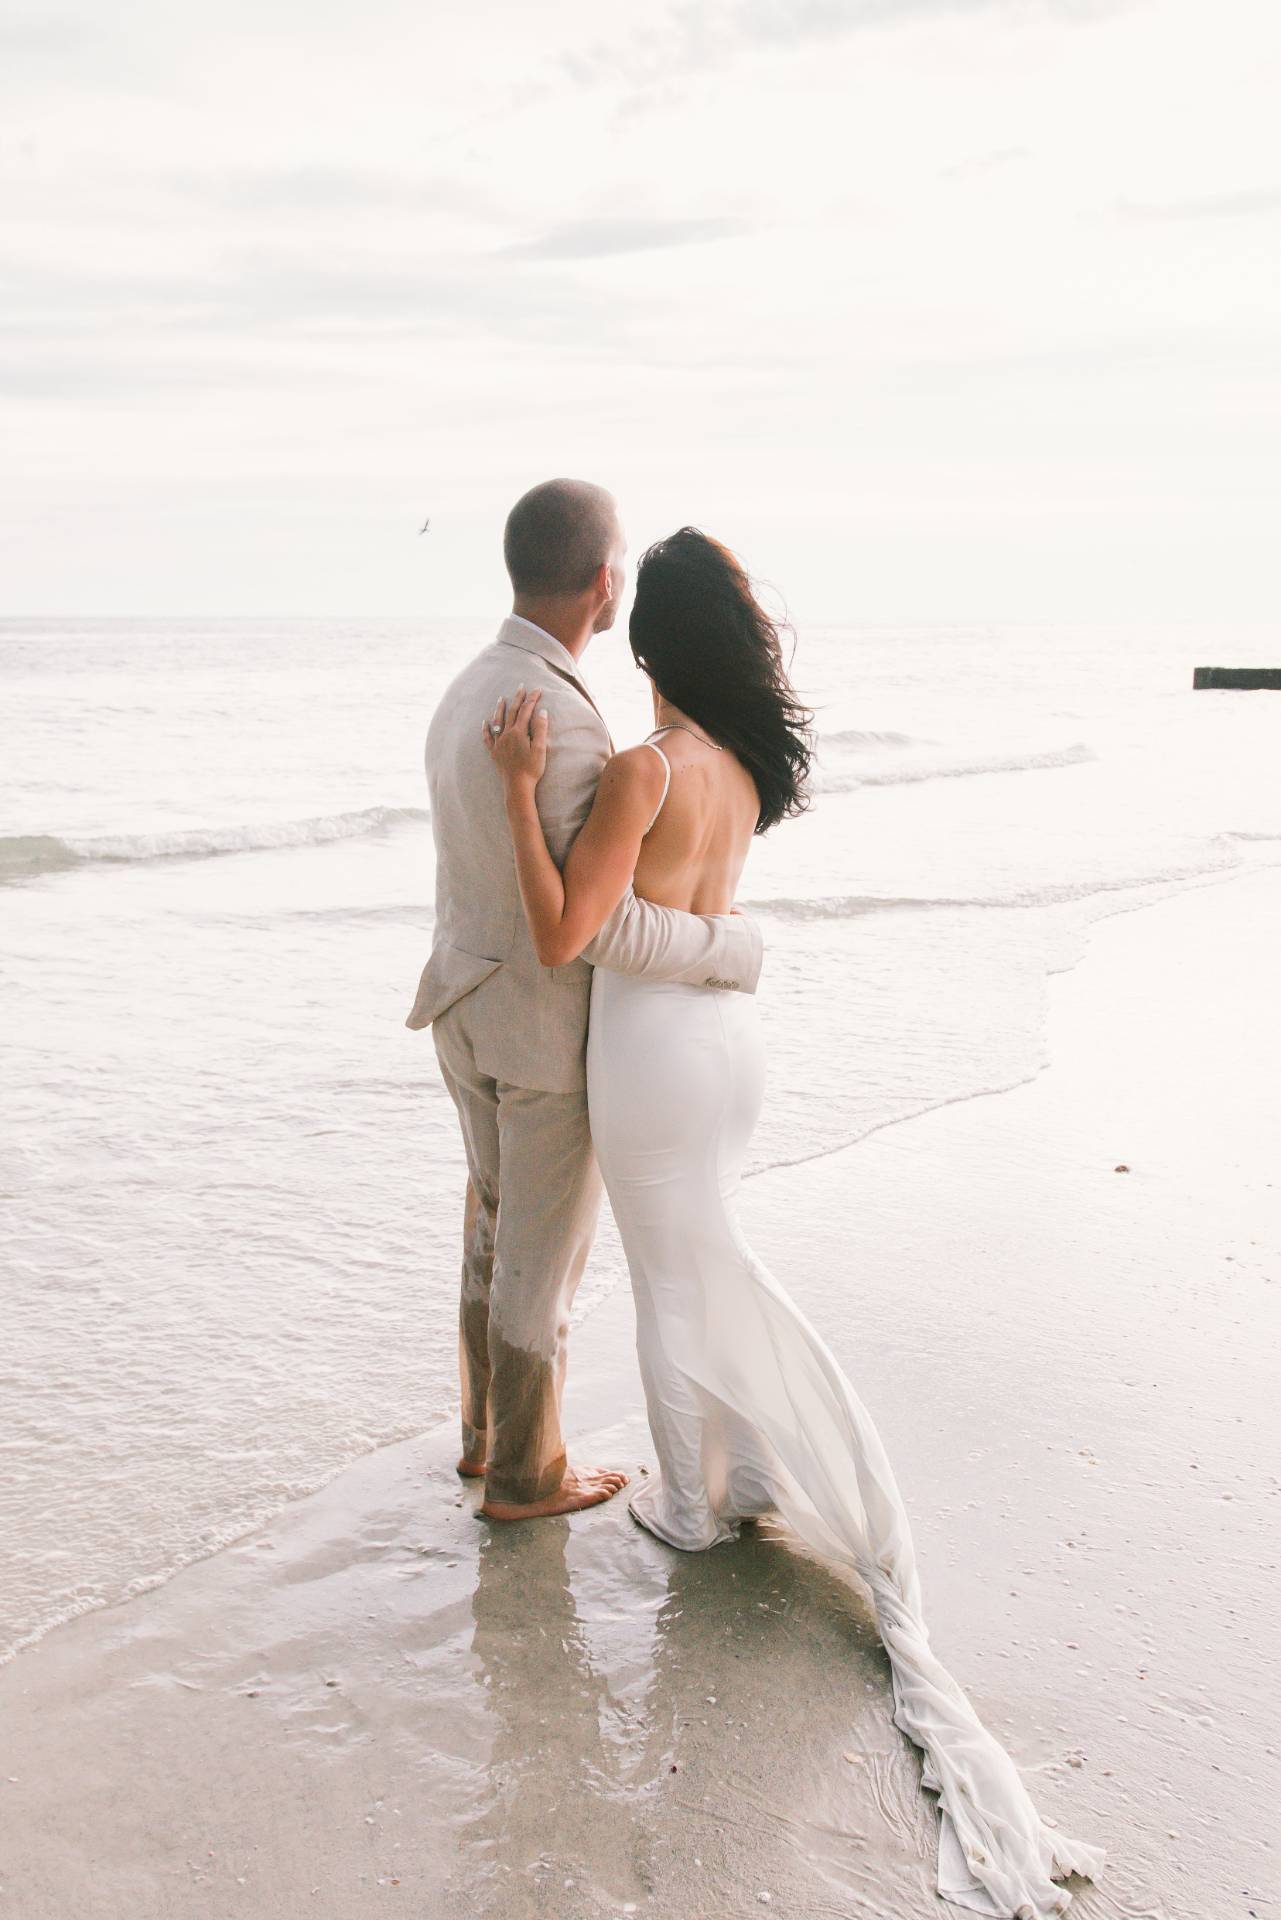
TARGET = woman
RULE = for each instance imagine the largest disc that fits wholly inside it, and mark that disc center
(748, 1409)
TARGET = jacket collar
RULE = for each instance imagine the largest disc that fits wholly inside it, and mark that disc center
(516, 631)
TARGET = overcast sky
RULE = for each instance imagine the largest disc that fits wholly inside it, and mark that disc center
(936, 308)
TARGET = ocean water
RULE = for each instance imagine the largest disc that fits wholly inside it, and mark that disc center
(230, 1183)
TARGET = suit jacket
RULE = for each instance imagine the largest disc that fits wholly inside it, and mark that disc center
(530, 1021)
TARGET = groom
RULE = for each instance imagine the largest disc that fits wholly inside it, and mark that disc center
(511, 1035)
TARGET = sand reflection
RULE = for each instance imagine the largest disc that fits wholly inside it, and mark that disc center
(662, 1724)
(562, 1652)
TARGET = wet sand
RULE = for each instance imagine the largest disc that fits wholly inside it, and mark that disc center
(380, 1704)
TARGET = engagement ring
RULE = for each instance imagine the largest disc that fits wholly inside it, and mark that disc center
(494, 727)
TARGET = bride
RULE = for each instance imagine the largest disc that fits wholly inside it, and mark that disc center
(748, 1409)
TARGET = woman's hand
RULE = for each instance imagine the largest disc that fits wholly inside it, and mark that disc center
(565, 910)
(519, 746)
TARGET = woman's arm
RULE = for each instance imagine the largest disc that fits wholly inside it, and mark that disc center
(567, 910)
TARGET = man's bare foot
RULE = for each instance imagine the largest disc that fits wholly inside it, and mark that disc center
(471, 1469)
(581, 1487)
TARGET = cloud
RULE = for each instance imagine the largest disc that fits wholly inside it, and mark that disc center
(786, 22)
(977, 163)
(66, 376)
(41, 36)
(1121, 359)
(1246, 204)
(700, 35)
(593, 239)
(329, 189)
(229, 321)
(774, 23)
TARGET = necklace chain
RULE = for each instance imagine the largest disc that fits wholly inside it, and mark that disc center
(668, 726)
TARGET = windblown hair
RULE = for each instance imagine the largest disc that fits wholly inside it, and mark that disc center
(557, 535)
(710, 648)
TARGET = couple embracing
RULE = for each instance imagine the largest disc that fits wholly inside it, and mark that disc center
(591, 997)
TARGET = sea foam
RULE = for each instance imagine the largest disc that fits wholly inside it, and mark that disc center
(26, 854)
(851, 758)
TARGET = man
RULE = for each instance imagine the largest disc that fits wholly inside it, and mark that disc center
(511, 1035)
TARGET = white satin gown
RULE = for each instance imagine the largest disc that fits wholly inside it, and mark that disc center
(750, 1412)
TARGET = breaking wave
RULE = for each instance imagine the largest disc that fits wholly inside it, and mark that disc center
(26, 854)
(850, 760)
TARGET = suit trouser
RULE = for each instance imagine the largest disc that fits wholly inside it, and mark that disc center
(532, 1204)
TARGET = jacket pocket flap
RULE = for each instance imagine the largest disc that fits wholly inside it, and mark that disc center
(449, 974)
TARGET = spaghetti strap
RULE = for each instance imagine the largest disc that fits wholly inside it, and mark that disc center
(667, 777)
(674, 726)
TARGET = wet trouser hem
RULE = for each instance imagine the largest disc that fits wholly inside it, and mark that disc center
(515, 1490)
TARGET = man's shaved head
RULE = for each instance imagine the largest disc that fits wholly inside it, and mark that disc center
(558, 535)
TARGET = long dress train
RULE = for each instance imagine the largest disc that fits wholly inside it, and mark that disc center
(750, 1412)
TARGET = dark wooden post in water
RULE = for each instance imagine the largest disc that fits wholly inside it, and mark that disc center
(1248, 677)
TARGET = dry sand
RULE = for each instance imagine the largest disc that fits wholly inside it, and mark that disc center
(379, 1704)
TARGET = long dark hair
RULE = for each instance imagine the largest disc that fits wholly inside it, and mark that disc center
(712, 651)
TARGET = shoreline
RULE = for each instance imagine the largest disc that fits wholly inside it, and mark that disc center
(1064, 950)
(375, 1690)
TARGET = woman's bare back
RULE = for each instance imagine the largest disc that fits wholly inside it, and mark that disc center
(694, 853)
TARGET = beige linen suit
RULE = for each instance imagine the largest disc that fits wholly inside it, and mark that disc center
(511, 1038)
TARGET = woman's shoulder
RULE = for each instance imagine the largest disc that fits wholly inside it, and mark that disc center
(640, 764)
(636, 774)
